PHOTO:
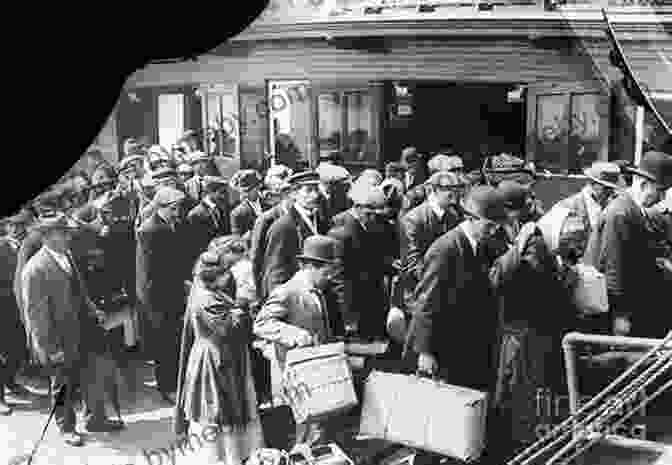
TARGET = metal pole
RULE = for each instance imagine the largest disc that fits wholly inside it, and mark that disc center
(639, 133)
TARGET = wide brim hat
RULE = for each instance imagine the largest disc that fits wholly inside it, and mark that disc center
(320, 249)
(605, 173)
(246, 180)
(55, 220)
(656, 167)
(303, 178)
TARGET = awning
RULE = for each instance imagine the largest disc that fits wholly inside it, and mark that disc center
(647, 68)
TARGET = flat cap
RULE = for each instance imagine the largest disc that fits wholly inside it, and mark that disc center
(302, 178)
(366, 195)
(446, 179)
(603, 172)
(168, 196)
(486, 203)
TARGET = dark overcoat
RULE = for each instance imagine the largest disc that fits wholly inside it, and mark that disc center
(204, 224)
(284, 243)
(455, 313)
(243, 218)
(259, 241)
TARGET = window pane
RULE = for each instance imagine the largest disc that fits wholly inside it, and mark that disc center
(171, 118)
(330, 114)
(289, 106)
(552, 124)
(586, 140)
(359, 143)
(222, 117)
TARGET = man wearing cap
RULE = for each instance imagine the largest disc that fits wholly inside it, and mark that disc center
(63, 326)
(396, 170)
(185, 172)
(163, 264)
(201, 164)
(360, 285)
(588, 204)
(455, 310)
(634, 283)
(247, 183)
(210, 218)
(429, 220)
(12, 330)
(286, 235)
(302, 312)
(329, 169)
(416, 169)
(335, 182)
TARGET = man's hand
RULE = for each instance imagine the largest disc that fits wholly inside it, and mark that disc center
(427, 364)
(622, 326)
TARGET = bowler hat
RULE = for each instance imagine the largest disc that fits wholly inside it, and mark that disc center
(55, 220)
(245, 180)
(656, 167)
(485, 202)
(605, 173)
(320, 249)
(303, 178)
(168, 196)
(514, 194)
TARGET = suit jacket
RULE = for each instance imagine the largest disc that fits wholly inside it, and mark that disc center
(421, 227)
(628, 261)
(284, 243)
(204, 224)
(259, 241)
(162, 267)
(455, 312)
(58, 309)
(243, 218)
(30, 245)
(360, 284)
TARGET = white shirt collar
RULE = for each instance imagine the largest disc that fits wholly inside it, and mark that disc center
(467, 232)
(306, 217)
(61, 258)
(436, 208)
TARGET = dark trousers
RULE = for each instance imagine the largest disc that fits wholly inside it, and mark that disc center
(167, 356)
(67, 378)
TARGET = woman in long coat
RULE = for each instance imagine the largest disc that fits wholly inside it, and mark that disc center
(215, 387)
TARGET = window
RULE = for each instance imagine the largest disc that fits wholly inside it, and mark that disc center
(290, 122)
(345, 125)
(568, 128)
(171, 118)
(221, 121)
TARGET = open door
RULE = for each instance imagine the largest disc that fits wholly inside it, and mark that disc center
(567, 125)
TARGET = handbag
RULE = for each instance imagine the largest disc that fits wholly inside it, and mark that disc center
(590, 293)
(317, 381)
(424, 414)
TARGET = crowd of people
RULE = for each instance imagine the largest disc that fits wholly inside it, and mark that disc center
(216, 279)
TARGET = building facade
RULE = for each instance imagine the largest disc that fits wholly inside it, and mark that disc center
(367, 79)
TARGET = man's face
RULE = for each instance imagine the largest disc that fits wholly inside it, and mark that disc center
(220, 195)
(445, 196)
(370, 214)
(652, 193)
(484, 229)
(307, 196)
(59, 238)
(321, 274)
(603, 193)
(253, 194)
(16, 230)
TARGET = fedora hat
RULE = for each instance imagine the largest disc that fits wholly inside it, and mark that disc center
(606, 173)
(656, 167)
(50, 221)
(320, 249)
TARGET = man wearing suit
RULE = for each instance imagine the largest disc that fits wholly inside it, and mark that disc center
(247, 183)
(210, 218)
(626, 256)
(429, 220)
(64, 327)
(162, 268)
(360, 286)
(286, 235)
(455, 309)
(589, 202)
(301, 313)
(195, 185)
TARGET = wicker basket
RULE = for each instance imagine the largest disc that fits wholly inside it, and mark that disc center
(318, 382)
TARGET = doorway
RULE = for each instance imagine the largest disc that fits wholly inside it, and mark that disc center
(469, 118)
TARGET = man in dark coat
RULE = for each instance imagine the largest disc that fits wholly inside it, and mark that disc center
(360, 286)
(162, 269)
(210, 218)
(286, 235)
(455, 310)
(437, 215)
(195, 185)
(626, 256)
(247, 183)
